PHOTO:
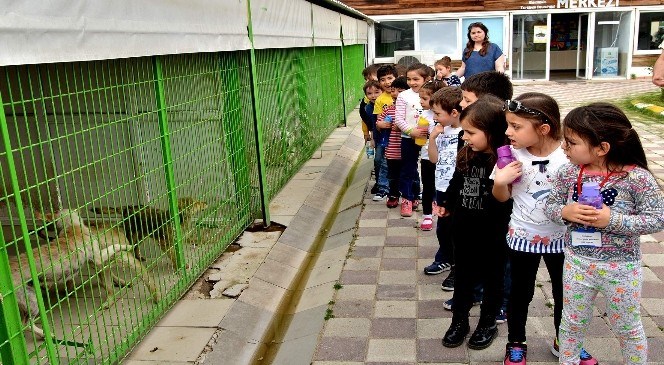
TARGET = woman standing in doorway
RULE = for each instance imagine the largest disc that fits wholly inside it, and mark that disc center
(480, 55)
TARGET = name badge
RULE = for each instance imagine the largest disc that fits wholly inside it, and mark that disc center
(586, 237)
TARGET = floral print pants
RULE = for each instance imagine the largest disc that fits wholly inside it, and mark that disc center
(620, 283)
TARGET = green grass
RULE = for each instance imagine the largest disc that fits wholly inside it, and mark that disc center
(655, 98)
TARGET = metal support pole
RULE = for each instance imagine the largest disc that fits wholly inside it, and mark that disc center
(11, 329)
(167, 158)
(258, 125)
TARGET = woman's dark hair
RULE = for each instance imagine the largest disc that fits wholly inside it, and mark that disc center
(603, 122)
(546, 105)
(471, 44)
(486, 114)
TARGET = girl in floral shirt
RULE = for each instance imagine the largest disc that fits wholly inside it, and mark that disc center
(603, 252)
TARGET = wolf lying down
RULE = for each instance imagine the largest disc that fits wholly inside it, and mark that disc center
(140, 222)
(59, 261)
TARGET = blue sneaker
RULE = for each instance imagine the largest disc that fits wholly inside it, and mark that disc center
(437, 268)
(586, 358)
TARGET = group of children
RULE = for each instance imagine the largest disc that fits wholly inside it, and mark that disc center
(522, 213)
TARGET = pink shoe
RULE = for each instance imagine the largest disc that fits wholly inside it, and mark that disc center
(515, 354)
(406, 208)
(427, 224)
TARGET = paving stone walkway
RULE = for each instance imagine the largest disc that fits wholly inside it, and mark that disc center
(389, 312)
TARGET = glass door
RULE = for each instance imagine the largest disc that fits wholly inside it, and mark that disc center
(611, 44)
(530, 37)
(581, 54)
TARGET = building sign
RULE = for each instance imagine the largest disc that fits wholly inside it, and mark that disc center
(569, 4)
(573, 4)
(538, 4)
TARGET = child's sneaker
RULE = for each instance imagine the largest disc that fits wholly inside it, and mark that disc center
(378, 197)
(406, 208)
(448, 304)
(392, 202)
(515, 354)
(586, 358)
(374, 189)
(448, 283)
(427, 224)
(416, 204)
(501, 317)
(436, 268)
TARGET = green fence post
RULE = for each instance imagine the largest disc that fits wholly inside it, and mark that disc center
(343, 76)
(8, 303)
(258, 123)
(165, 138)
(231, 122)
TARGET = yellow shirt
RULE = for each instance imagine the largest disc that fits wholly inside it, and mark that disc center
(381, 102)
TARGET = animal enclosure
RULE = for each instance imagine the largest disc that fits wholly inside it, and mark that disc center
(123, 179)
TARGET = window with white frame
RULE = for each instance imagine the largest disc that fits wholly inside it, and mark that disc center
(394, 36)
(650, 31)
(440, 36)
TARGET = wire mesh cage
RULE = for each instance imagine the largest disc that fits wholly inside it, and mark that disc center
(123, 179)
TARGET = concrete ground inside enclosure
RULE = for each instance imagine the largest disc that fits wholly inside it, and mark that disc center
(343, 283)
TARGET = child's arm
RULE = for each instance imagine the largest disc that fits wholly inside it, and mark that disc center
(502, 188)
(364, 116)
(649, 210)
(381, 123)
(400, 115)
(363, 111)
(557, 197)
(448, 199)
(433, 148)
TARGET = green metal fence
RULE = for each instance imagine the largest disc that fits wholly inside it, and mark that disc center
(124, 179)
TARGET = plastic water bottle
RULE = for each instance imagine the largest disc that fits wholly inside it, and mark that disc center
(505, 157)
(590, 195)
(370, 150)
(422, 124)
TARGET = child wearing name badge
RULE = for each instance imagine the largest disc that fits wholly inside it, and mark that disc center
(603, 252)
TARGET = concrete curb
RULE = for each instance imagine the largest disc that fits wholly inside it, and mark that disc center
(256, 318)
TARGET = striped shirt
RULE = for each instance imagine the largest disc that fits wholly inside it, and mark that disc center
(393, 149)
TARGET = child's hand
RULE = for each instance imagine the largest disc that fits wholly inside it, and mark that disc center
(584, 214)
(602, 218)
(419, 132)
(440, 211)
(508, 174)
(373, 143)
(383, 125)
(438, 129)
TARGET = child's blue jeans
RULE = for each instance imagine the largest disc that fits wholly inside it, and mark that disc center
(410, 153)
(380, 167)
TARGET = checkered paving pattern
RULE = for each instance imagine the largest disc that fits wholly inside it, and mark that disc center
(389, 312)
